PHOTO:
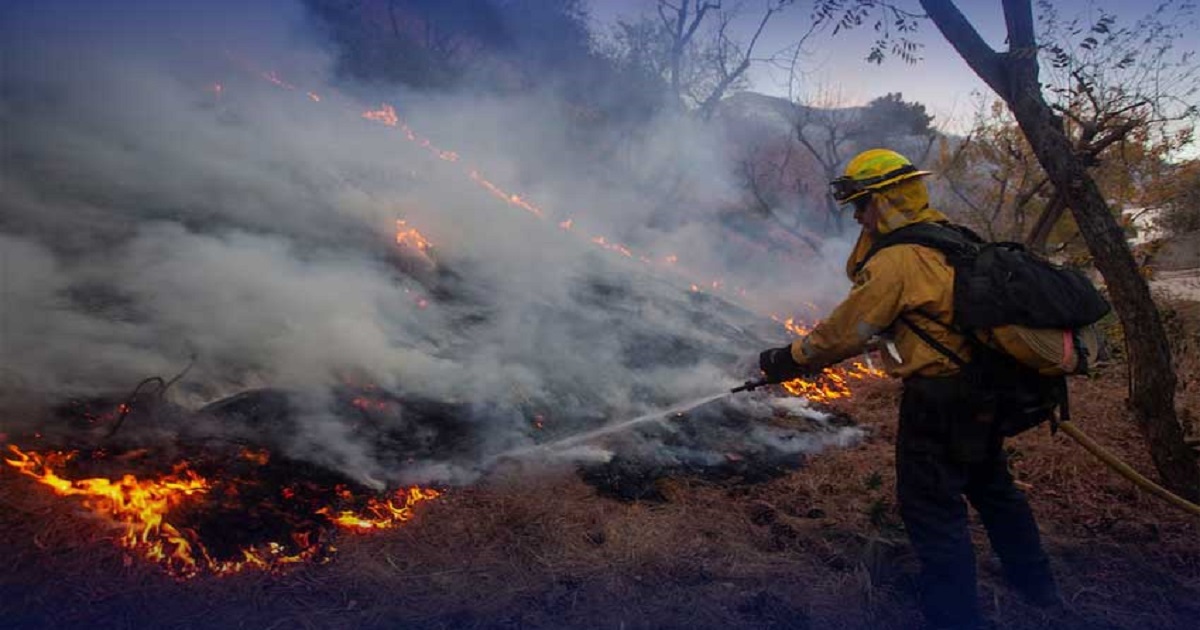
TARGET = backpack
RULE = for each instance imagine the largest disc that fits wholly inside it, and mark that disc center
(1029, 322)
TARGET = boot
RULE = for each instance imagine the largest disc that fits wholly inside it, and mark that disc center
(1035, 584)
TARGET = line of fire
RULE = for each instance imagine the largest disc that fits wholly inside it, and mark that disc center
(197, 503)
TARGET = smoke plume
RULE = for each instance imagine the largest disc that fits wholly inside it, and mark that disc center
(191, 181)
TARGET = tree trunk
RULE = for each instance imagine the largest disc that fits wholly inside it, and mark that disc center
(1151, 373)
(1014, 76)
(1040, 233)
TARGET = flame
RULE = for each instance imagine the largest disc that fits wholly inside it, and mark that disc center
(273, 77)
(832, 383)
(800, 330)
(410, 237)
(382, 514)
(510, 198)
(139, 506)
(615, 247)
(861, 371)
(259, 456)
(371, 404)
(142, 508)
(385, 114)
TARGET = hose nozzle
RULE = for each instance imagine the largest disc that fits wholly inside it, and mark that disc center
(750, 386)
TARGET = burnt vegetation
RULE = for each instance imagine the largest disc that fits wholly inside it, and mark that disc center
(820, 546)
(732, 513)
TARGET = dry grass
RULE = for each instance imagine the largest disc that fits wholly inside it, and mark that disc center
(821, 548)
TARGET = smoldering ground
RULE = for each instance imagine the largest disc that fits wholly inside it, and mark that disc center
(193, 181)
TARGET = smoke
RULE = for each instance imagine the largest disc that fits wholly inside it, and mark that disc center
(191, 181)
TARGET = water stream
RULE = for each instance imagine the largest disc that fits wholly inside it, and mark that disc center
(580, 438)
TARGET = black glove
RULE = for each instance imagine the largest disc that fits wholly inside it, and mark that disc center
(779, 366)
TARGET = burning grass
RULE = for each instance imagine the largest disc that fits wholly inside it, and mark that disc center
(221, 522)
(534, 546)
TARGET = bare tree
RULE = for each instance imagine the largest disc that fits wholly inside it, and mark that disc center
(1111, 83)
(692, 46)
(993, 176)
(768, 173)
(827, 128)
(1014, 76)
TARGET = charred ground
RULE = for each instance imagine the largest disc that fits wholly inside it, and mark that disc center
(542, 547)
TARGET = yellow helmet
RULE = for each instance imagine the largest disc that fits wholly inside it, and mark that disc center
(870, 170)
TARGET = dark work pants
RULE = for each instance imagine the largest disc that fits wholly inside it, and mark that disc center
(946, 449)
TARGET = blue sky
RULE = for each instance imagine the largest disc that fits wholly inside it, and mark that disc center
(941, 80)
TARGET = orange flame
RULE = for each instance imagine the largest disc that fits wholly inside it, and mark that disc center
(613, 247)
(410, 237)
(511, 199)
(271, 76)
(799, 329)
(382, 514)
(385, 114)
(141, 507)
(259, 456)
(138, 505)
(832, 383)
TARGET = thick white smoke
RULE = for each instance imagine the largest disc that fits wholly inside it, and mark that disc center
(166, 197)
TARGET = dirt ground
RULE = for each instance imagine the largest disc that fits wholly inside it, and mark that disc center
(821, 547)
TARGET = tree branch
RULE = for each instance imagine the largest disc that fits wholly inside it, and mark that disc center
(966, 40)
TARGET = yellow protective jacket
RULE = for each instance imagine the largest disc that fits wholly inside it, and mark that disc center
(896, 280)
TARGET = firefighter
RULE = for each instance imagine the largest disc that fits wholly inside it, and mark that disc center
(946, 447)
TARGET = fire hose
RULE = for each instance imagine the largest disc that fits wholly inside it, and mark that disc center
(1090, 445)
(1125, 470)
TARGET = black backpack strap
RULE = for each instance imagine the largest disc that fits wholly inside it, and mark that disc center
(956, 242)
(933, 343)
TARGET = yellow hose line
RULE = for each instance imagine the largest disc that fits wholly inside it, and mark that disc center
(1121, 467)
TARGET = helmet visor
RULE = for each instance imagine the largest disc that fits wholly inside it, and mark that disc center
(843, 188)
(846, 188)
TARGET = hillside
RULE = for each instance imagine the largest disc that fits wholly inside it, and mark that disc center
(533, 546)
